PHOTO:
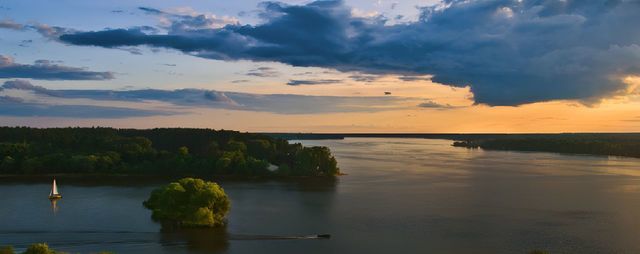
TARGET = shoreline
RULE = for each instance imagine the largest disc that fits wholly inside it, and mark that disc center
(165, 177)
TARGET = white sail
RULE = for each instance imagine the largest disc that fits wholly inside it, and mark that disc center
(54, 188)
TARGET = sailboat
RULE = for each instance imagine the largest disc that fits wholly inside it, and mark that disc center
(54, 191)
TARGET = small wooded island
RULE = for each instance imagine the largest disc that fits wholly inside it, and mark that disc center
(189, 202)
(168, 151)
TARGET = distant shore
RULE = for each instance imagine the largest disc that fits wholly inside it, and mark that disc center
(599, 144)
(448, 136)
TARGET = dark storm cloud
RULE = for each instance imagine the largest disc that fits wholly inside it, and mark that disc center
(300, 82)
(46, 70)
(509, 52)
(197, 98)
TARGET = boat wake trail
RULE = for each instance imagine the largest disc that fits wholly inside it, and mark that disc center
(276, 237)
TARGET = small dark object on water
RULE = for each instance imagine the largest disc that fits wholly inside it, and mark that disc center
(324, 236)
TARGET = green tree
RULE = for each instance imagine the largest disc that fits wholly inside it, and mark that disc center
(190, 203)
(315, 161)
(222, 165)
(259, 148)
(212, 149)
(236, 146)
(40, 248)
(256, 166)
(183, 151)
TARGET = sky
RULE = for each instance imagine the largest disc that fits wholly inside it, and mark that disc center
(432, 66)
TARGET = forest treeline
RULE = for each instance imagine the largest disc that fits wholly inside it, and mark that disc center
(166, 151)
(614, 144)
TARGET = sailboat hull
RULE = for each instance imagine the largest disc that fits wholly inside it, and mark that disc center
(53, 197)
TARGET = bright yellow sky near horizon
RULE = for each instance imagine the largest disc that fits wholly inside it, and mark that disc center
(617, 114)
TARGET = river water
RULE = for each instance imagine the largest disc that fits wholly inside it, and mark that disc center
(399, 196)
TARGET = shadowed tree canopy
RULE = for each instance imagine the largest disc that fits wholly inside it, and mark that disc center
(177, 151)
(189, 203)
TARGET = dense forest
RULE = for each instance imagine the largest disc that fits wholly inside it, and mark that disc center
(610, 144)
(170, 151)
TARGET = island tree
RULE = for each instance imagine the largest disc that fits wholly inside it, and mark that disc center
(189, 202)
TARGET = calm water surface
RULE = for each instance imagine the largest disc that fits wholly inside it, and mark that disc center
(400, 196)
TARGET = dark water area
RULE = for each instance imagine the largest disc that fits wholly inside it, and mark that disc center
(400, 195)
